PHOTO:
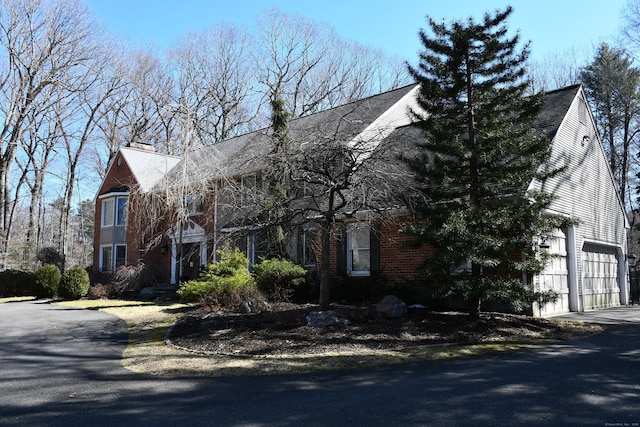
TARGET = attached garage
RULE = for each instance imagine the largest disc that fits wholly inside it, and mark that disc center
(600, 272)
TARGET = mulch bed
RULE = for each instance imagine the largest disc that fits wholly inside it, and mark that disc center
(284, 331)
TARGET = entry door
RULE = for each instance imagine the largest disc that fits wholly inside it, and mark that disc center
(190, 262)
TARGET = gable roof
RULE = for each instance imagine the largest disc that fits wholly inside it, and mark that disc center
(555, 108)
(375, 117)
(148, 167)
(372, 117)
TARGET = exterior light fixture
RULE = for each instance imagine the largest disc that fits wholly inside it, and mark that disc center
(585, 139)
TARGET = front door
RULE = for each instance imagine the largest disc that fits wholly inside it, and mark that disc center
(190, 262)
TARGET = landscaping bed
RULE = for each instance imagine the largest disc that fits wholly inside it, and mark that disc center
(283, 331)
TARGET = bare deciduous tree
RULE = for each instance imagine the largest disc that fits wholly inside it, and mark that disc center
(312, 69)
(216, 81)
(44, 42)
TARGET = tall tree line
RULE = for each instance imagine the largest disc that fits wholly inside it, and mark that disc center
(71, 95)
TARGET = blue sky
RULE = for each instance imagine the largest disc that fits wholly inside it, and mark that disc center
(552, 26)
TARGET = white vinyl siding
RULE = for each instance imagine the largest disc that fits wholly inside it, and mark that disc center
(585, 192)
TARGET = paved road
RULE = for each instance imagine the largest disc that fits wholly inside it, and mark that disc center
(60, 366)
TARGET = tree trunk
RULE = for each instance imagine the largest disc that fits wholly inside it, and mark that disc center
(325, 266)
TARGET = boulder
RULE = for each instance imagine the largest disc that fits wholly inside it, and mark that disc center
(391, 306)
(322, 319)
(253, 306)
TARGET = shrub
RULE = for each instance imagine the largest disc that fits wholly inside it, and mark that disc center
(15, 283)
(125, 282)
(99, 291)
(74, 283)
(222, 283)
(278, 278)
(45, 281)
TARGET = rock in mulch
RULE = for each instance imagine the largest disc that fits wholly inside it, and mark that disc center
(391, 306)
(253, 306)
(322, 319)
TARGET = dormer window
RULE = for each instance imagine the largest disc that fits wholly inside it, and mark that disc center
(194, 203)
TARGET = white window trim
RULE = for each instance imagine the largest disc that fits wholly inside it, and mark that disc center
(194, 204)
(102, 263)
(105, 216)
(113, 218)
(243, 182)
(125, 215)
(350, 270)
(115, 253)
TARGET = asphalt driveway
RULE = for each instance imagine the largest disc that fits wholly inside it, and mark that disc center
(61, 366)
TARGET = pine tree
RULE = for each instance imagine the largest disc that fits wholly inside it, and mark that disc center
(476, 161)
(612, 82)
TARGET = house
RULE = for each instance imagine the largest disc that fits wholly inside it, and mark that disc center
(589, 269)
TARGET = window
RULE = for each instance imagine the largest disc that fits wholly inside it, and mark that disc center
(358, 250)
(194, 204)
(108, 212)
(247, 185)
(309, 247)
(106, 258)
(114, 211)
(121, 255)
(121, 212)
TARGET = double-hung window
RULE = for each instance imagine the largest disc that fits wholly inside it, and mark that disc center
(114, 211)
(194, 204)
(106, 258)
(247, 186)
(108, 209)
(309, 247)
(359, 250)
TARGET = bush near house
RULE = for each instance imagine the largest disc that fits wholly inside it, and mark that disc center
(46, 280)
(278, 278)
(222, 284)
(74, 283)
(15, 283)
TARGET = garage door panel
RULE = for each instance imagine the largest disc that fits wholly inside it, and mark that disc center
(555, 276)
(600, 276)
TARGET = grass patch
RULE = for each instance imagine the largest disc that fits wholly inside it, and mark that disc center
(16, 299)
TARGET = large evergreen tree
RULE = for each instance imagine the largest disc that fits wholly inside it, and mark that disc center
(612, 83)
(476, 161)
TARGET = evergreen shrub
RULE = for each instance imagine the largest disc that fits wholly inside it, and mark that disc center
(278, 278)
(223, 283)
(14, 283)
(46, 281)
(74, 283)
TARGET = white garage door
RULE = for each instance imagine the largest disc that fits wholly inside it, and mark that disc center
(555, 277)
(599, 276)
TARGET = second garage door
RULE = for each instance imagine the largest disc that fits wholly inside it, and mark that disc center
(599, 276)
